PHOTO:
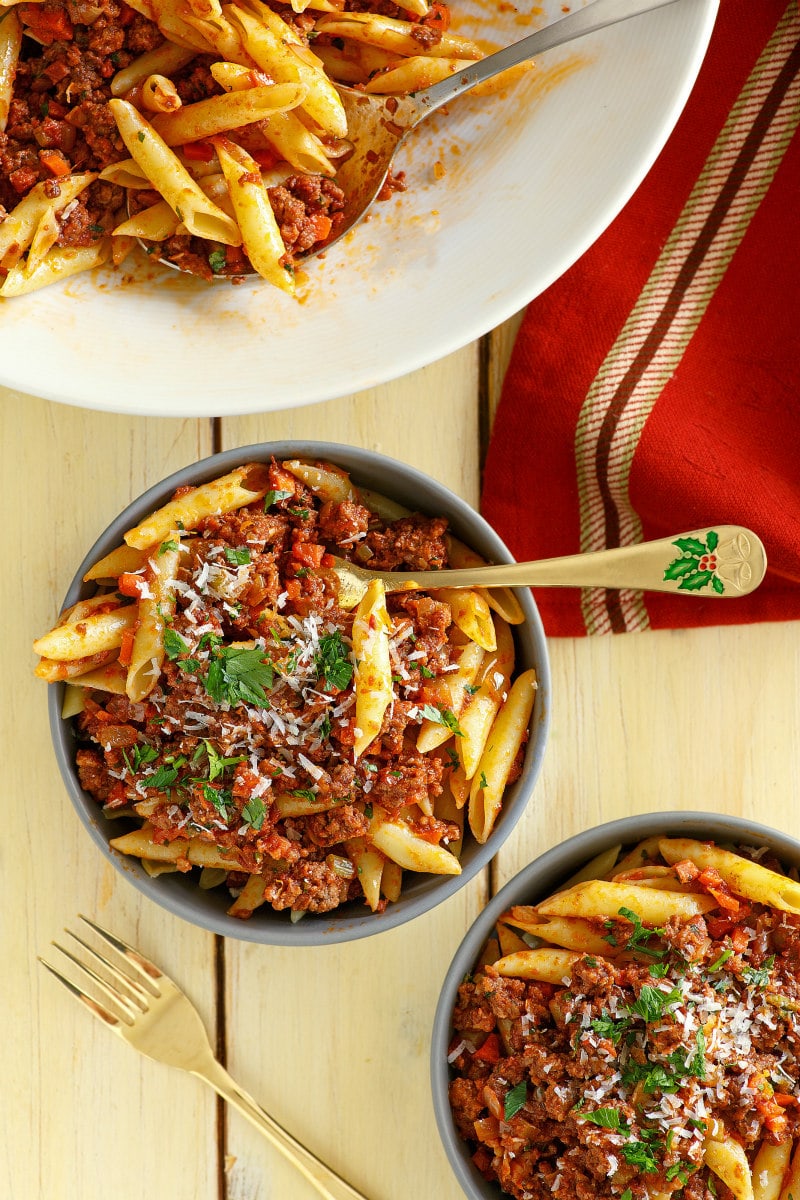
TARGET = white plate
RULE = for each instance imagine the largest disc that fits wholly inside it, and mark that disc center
(532, 177)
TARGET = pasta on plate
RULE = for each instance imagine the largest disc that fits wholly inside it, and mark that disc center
(637, 1035)
(233, 717)
(209, 131)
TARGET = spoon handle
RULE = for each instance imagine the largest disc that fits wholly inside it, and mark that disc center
(586, 20)
(720, 563)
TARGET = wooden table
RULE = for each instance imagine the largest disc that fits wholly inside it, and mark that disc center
(332, 1041)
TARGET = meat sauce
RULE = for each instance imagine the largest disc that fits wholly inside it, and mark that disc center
(59, 124)
(608, 1085)
(213, 744)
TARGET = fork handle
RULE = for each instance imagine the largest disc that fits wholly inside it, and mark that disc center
(329, 1185)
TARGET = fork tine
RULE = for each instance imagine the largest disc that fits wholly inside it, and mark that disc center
(103, 1013)
(146, 972)
(120, 1004)
(131, 989)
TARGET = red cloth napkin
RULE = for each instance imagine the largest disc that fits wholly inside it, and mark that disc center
(655, 387)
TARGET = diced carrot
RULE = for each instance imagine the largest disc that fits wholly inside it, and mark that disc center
(437, 17)
(55, 162)
(126, 648)
(266, 158)
(321, 225)
(131, 584)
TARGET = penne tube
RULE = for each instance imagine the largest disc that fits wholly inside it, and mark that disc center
(207, 9)
(119, 561)
(373, 675)
(728, 1161)
(291, 805)
(330, 485)
(274, 47)
(445, 808)
(284, 131)
(493, 681)
(261, 236)
(545, 964)
(216, 189)
(452, 693)
(414, 75)
(459, 785)
(110, 678)
(644, 852)
(155, 224)
(92, 635)
(506, 736)
(369, 864)
(391, 880)
(500, 600)
(19, 227)
(382, 506)
(746, 878)
(159, 94)
(595, 868)
(10, 45)
(396, 36)
(599, 898)
(165, 59)
(394, 838)
(769, 1169)
(222, 38)
(249, 899)
(231, 110)
(54, 672)
(572, 933)
(127, 174)
(470, 613)
(240, 487)
(139, 843)
(509, 940)
(170, 178)
(147, 653)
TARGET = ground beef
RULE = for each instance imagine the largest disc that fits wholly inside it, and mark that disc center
(298, 201)
(308, 887)
(413, 543)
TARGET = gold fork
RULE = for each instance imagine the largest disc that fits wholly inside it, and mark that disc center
(150, 1012)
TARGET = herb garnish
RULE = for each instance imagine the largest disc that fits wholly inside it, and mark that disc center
(758, 977)
(237, 675)
(254, 812)
(639, 935)
(332, 661)
(442, 716)
(237, 556)
(515, 1099)
(273, 497)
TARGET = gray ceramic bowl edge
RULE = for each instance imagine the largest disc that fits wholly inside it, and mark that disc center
(180, 895)
(534, 882)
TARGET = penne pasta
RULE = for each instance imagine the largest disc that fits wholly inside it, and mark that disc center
(395, 838)
(493, 681)
(728, 1161)
(452, 695)
(749, 879)
(231, 110)
(240, 487)
(117, 562)
(369, 864)
(10, 45)
(156, 223)
(373, 677)
(91, 635)
(330, 485)
(260, 233)
(470, 613)
(18, 229)
(163, 60)
(598, 898)
(159, 94)
(546, 964)
(504, 742)
(154, 611)
(415, 74)
(500, 600)
(170, 178)
(770, 1167)
(597, 867)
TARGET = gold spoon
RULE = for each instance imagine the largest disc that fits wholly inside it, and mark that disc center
(722, 562)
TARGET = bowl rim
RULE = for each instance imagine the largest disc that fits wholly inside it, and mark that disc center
(539, 877)
(325, 929)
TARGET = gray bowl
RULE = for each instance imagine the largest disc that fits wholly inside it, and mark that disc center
(180, 894)
(536, 881)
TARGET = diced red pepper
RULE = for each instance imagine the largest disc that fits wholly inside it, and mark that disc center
(130, 584)
(126, 648)
(47, 25)
(308, 554)
(55, 162)
(489, 1051)
(198, 151)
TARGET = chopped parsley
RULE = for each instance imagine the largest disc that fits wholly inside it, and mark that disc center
(613, 1028)
(304, 793)
(168, 545)
(237, 675)
(638, 936)
(254, 813)
(174, 645)
(651, 1004)
(515, 1099)
(606, 1118)
(272, 497)
(332, 661)
(758, 977)
(217, 260)
(723, 958)
(442, 716)
(163, 777)
(219, 798)
(237, 556)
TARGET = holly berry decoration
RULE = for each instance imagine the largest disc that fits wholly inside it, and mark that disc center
(696, 568)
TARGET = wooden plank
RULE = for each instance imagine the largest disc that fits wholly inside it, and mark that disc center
(702, 719)
(334, 1041)
(86, 1111)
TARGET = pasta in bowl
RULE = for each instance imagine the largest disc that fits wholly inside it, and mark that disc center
(622, 1020)
(262, 753)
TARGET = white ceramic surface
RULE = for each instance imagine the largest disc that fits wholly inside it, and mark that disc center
(533, 175)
